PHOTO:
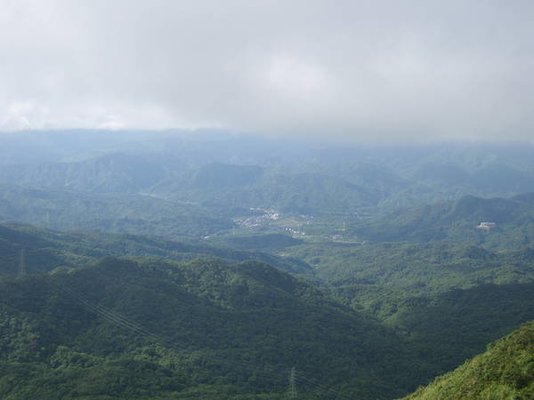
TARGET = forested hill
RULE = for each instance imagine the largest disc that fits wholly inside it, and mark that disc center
(204, 329)
(511, 222)
(160, 265)
(42, 250)
(133, 182)
(444, 302)
(504, 371)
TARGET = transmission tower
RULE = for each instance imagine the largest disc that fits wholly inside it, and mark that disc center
(22, 262)
(292, 391)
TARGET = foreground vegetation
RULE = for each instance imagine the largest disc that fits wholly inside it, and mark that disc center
(504, 371)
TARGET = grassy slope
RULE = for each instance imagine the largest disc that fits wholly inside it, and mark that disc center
(504, 371)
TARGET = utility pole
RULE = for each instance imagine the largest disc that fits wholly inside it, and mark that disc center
(292, 392)
(22, 262)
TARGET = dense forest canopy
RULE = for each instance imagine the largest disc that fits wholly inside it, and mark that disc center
(164, 266)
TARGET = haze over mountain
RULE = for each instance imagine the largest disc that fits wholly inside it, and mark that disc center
(266, 200)
(386, 257)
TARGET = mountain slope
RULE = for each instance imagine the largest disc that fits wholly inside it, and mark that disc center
(447, 300)
(229, 186)
(504, 371)
(43, 250)
(110, 173)
(457, 221)
(75, 333)
(119, 213)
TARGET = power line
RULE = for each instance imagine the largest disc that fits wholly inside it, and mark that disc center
(126, 323)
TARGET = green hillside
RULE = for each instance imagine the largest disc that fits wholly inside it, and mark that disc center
(230, 186)
(153, 265)
(504, 371)
(44, 250)
(444, 302)
(447, 300)
(157, 329)
(457, 221)
(108, 212)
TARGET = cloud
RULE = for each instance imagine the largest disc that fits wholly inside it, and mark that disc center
(354, 69)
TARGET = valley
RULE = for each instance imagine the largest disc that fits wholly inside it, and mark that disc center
(158, 266)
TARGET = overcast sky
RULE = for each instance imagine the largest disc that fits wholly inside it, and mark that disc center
(395, 69)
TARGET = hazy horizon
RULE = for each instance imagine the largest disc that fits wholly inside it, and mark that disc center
(359, 71)
(302, 139)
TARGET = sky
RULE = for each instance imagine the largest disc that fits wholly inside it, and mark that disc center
(379, 70)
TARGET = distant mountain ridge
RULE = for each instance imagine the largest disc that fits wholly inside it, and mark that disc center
(493, 177)
(226, 171)
(110, 173)
(45, 250)
(458, 221)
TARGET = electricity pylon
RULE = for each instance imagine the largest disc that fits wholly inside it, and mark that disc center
(292, 391)
(22, 262)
